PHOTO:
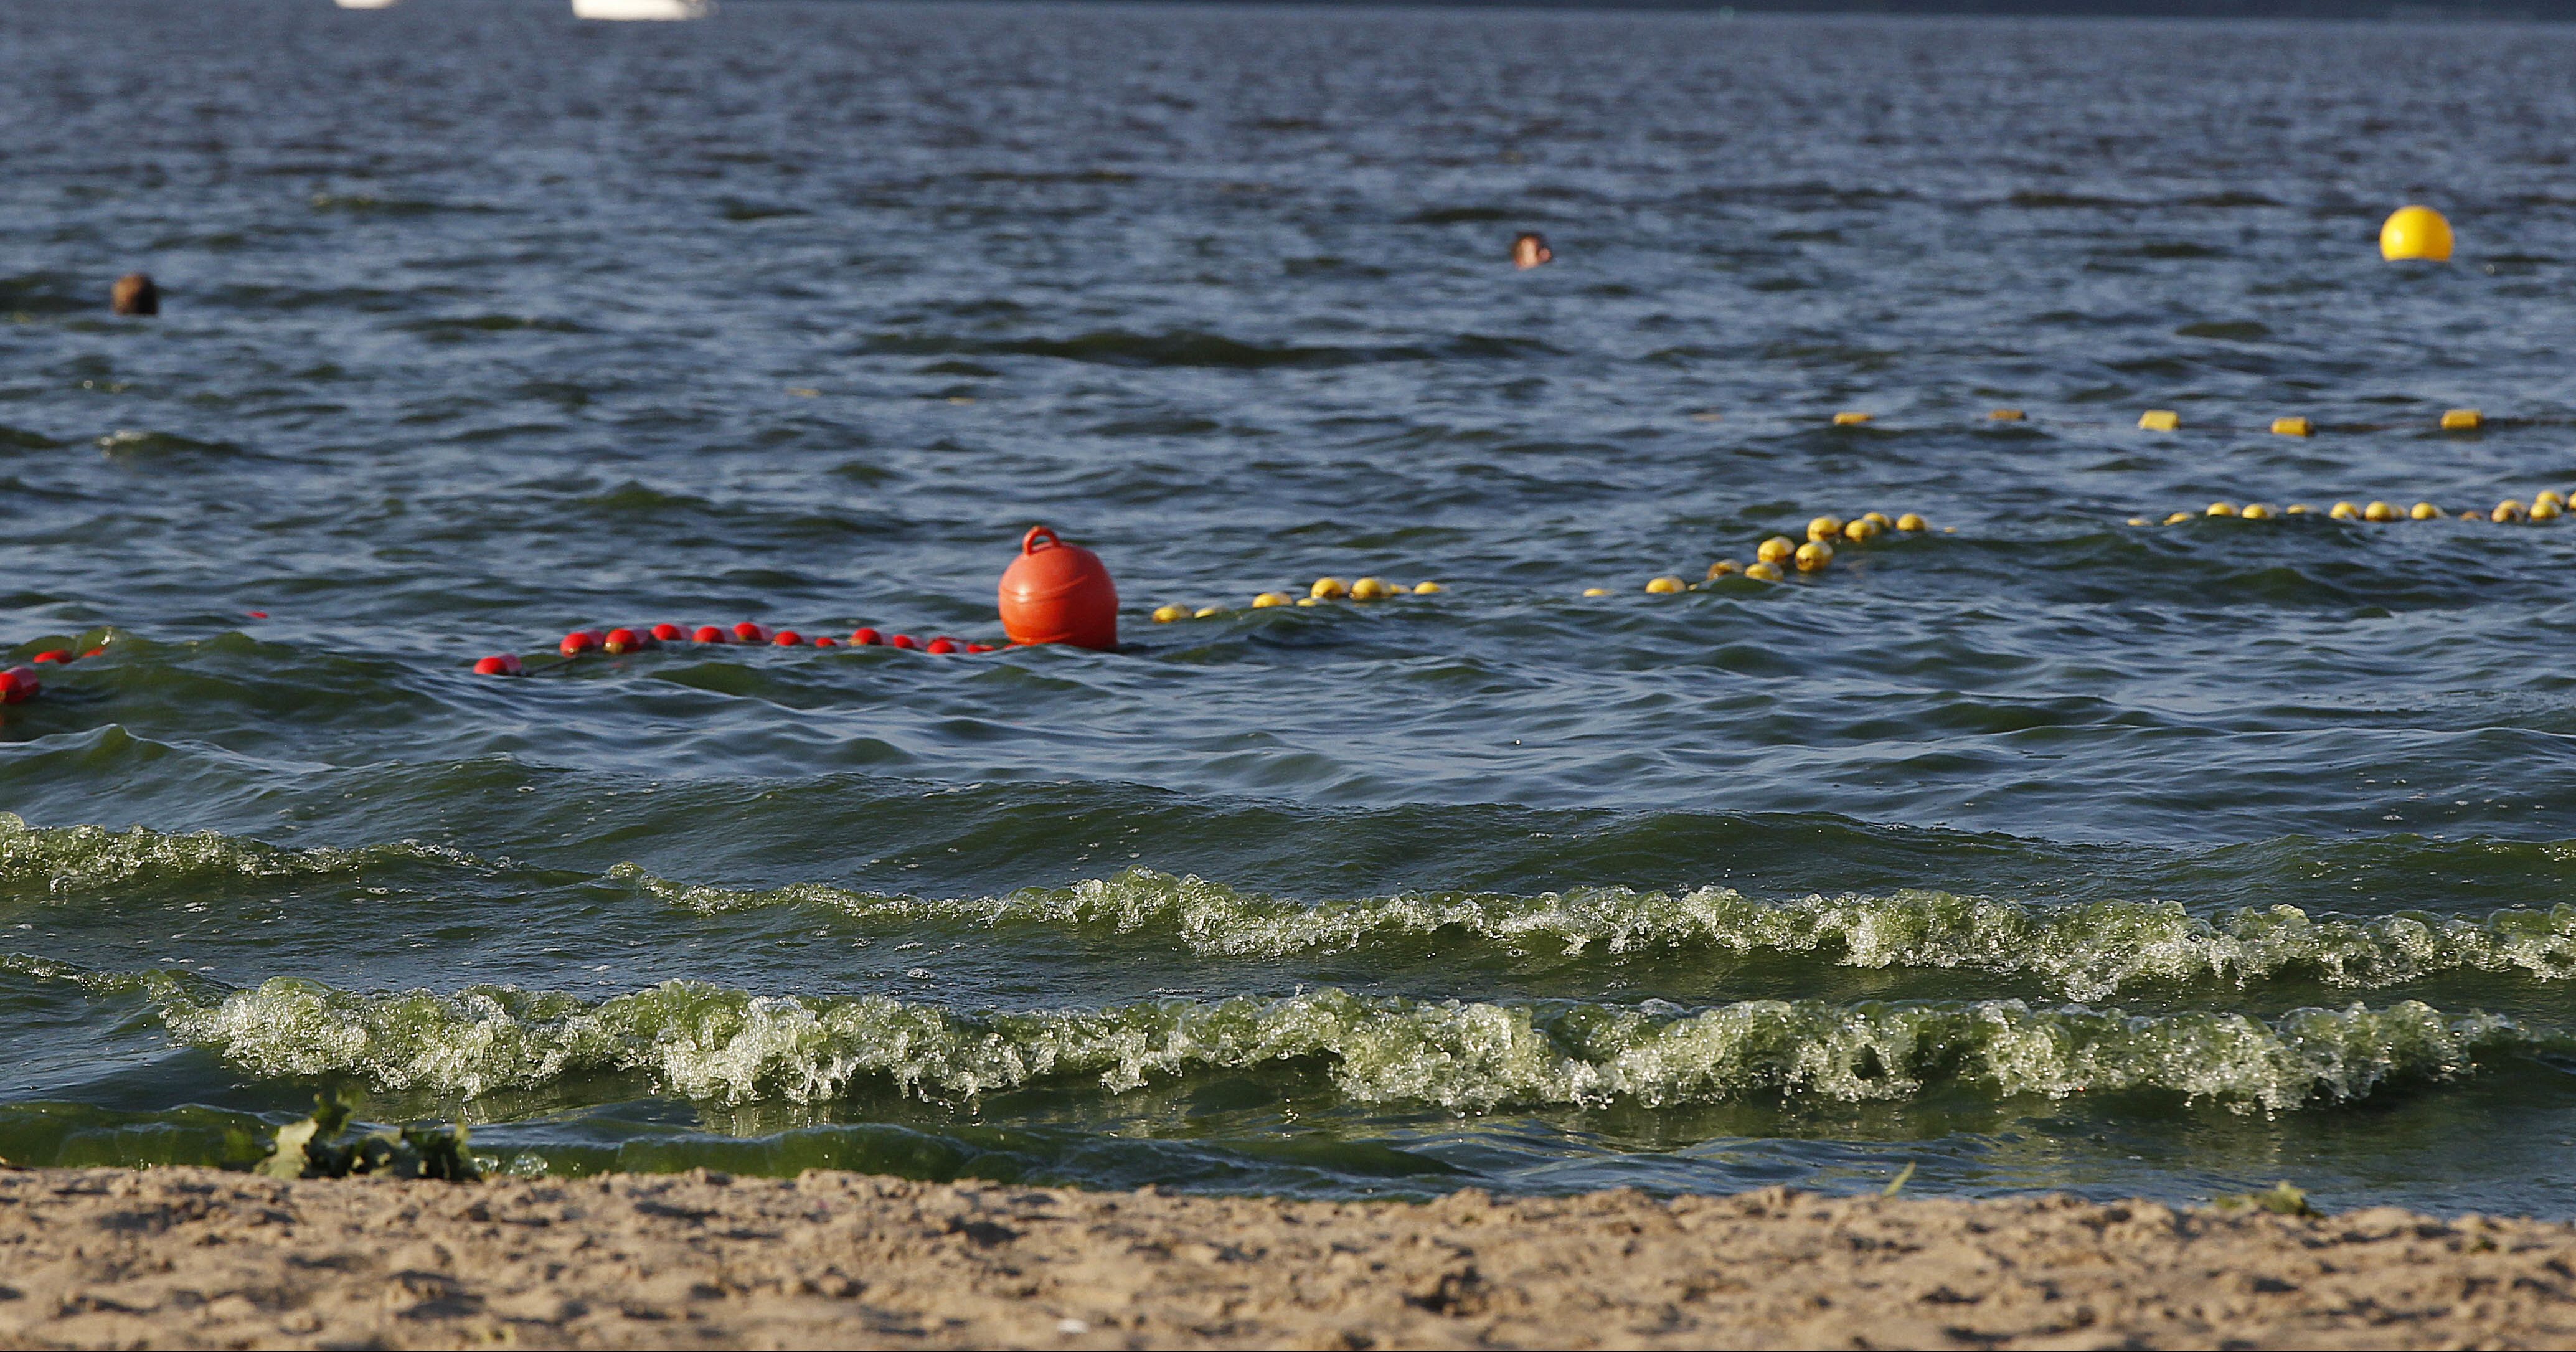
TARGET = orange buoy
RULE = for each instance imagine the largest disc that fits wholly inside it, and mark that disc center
(1058, 593)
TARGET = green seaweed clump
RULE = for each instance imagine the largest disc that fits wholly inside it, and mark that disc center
(323, 1146)
(2281, 1199)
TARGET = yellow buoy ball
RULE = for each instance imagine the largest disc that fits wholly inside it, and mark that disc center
(1371, 589)
(1765, 572)
(1167, 614)
(2542, 510)
(1268, 599)
(2415, 232)
(1824, 528)
(1326, 588)
(1910, 523)
(2344, 511)
(1665, 586)
(2258, 511)
(1777, 549)
(2221, 509)
(2137, 521)
(1860, 532)
(1878, 519)
(1207, 612)
(2550, 496)
(1596, 591)
(1814, 555)
(2298, 509)
(2379, 511)
(2177, 518)
(1427, 588)
(2509, 510)
(1723, 567)
(2423, 511)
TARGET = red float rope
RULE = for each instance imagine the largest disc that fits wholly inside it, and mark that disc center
(20, 684)
(619, 641)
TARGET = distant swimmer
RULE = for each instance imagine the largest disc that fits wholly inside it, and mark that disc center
(135, 295)
(1530, 250)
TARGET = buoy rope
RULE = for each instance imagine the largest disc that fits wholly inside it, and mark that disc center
(2149, 420)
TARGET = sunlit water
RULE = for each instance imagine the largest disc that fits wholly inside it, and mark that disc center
(2035, 850)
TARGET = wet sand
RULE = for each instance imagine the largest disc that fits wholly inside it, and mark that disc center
(193, 1257)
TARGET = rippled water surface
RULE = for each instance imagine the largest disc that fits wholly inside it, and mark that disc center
(2036, 849)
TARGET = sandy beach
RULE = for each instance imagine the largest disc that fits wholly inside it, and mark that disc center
(198, 1258)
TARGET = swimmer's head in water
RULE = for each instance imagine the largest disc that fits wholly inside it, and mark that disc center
(1530, 250)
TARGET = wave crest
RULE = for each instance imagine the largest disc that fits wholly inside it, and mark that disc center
(2085, 952)
(714, 1043)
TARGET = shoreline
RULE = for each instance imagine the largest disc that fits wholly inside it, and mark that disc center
(198, 1257)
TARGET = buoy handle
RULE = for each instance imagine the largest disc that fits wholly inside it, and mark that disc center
(1029, 542)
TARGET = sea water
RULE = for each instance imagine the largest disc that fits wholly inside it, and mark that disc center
(2034, 850)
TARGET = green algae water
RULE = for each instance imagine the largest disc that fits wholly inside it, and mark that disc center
(2037, 850)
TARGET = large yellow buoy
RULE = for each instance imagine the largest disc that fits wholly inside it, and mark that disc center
(2416, 233)
(1777, 549)
(1814, 555)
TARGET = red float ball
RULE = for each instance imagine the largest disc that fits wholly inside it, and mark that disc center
(902, 641)
(826, 641)
(622, 641)
(95, 652)
(18, 684)
(864, 638)
(708, 633)
(53, 655)
(979, 647)
(788, 638)
(578, 642)
(750, 633)
(669, 633)
(1058, 593)
(941, 645)
(500, 664)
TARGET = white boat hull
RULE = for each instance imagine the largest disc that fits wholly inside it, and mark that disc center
(366, 4)
(662, 10)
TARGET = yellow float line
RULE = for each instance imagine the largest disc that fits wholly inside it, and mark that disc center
(2547, 505)
(2171, 420)
(1773, 561)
